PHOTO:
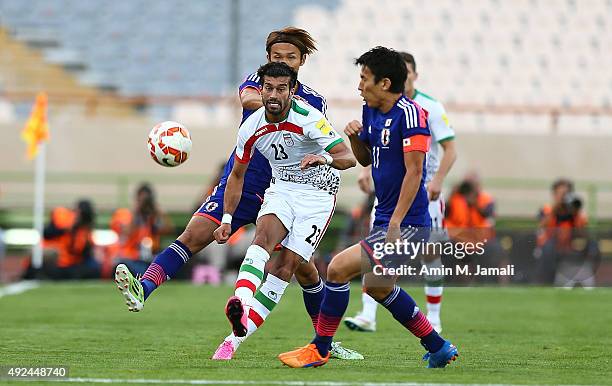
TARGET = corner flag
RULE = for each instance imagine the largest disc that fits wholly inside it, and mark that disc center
(36, 129)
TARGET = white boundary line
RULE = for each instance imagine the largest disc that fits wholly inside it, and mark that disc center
(18, 288)
(240, 382)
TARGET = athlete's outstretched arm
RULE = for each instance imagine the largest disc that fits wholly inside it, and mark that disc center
(231, 198)
(341, 157)
(233, 190)
(361, 150)
(413, 161)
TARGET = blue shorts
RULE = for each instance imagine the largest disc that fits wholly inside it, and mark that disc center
(406, 253)
(246, 212)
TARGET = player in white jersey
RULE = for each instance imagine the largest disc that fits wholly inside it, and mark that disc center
(438, 165)
(305, 154)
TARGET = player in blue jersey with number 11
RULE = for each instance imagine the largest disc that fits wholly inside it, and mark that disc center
(394, 138)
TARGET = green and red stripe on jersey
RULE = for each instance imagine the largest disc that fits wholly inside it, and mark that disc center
(264, 130)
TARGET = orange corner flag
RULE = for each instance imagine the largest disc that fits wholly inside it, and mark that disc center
(36, 129)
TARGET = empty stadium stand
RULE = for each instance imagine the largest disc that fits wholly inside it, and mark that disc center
(524, 80)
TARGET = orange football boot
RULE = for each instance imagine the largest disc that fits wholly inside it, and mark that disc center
(307, 356)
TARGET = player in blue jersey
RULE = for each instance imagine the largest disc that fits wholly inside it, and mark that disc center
(394, 138)
(291, 46)
(438, 166)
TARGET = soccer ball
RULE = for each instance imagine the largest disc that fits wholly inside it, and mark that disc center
(169, 143)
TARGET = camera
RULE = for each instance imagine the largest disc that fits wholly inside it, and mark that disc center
(572, 202)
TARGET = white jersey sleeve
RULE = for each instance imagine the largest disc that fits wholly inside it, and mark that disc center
(323, 133)
(440, 130)
(438, 123)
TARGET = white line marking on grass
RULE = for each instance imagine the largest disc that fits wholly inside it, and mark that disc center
(18, 288)
(237, 382)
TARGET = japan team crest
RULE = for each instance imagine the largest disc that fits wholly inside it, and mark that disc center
(209, 207)
(385, 137)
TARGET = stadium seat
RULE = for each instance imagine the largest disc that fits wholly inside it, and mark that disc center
(513, 52)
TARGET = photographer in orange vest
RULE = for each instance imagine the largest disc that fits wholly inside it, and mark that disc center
(139, 230)
(69, 245)
(565, 255)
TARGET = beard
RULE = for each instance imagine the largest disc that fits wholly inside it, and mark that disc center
(275, 106)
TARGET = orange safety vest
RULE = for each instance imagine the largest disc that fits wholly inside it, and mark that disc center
(71, 245)
(561, 230)
(128, 246)
(465, 223)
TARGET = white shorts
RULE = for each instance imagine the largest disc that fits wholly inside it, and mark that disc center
(306, 215)
(436, 212)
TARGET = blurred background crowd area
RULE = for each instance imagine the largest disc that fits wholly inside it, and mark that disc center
(526, 84)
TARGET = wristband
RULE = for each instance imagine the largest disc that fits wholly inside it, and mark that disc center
(328, 159)
(226, 219)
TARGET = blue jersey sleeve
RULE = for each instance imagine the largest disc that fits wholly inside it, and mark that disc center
(319, 104)
(250, 81)
(415, 129)
(312, 97)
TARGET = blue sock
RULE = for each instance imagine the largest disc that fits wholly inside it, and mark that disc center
(165, 266)
(148, 286)
(400, 304)
(313, 297)
(432, 342)
(333, 307)
(404, 310)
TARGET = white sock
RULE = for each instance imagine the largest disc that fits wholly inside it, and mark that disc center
(235, 340)
(369, 307)
(433, 309)
(264, 301)
(433, 288)
(273, 288)
(251, 273)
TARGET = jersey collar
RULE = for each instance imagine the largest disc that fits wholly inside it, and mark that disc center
(395, 106)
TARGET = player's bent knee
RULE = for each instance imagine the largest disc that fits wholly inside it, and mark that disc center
(379, 293)
(263, 240)
(336, 273)
(198, 234)
(286, 265)
(346, 265)
(307, 274)
(263, 243)
(283, 273)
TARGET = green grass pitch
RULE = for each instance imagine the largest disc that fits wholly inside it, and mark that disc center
(514, 335)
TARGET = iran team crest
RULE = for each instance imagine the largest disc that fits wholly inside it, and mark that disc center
(288, 139)
(385, 137)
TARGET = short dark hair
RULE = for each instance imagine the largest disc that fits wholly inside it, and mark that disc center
(296, 36)
(277, 70)
(408, 58)
(145, 188)
(466, 187)
(563, 182)
(385, 63)
(87, 214)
